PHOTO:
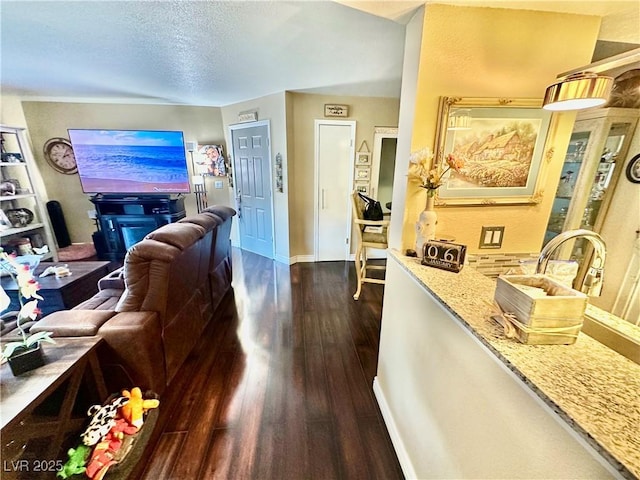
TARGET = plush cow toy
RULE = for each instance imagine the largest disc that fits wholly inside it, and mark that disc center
(102, 421)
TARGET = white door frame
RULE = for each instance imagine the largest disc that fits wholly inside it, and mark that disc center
(316, 184)
(243, 126)
(378, 134)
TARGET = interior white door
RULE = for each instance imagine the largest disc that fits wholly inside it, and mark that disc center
(334, 176)
(252, 163)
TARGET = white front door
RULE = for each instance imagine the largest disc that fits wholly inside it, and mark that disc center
(334, 142)
(252, 170)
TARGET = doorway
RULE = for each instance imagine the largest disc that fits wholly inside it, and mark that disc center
(254, 199)
(383, 163)
(334, 157)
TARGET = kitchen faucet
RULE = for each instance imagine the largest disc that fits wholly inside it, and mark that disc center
(592, 283)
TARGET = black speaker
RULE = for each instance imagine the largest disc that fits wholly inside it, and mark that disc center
(100, 243)
(59, 225)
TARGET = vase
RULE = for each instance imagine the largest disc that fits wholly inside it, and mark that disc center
(426, 225)
(24, 360)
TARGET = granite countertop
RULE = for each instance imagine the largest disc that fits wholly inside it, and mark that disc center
(593, 388)
(614, 322)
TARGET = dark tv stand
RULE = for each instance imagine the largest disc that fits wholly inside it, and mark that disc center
(124, 220)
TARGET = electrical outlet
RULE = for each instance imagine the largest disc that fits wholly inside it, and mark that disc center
(491, 237)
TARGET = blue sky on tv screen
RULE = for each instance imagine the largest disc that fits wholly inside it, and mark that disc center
(126, 137)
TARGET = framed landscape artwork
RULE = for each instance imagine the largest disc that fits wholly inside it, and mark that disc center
(501, 145)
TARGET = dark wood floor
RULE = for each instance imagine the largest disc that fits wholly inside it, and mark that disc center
(281, 388)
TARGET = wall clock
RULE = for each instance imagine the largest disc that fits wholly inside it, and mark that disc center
(633, 169)
(59, 153)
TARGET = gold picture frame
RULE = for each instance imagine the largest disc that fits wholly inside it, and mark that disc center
(502, 144)
(336, 110)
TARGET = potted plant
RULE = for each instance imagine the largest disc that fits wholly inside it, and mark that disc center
(24, 354)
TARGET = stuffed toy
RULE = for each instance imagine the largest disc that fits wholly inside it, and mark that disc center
(102, 421)
(76, 463)
(101, 459)
(104, 454)
(136, 406)
(117, 433)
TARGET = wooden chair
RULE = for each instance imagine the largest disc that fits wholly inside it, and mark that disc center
(367, 239)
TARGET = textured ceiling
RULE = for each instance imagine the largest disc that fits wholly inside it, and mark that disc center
(199, 53)
(215, 52)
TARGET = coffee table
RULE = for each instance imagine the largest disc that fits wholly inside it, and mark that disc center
(41, 409)
(61, 293)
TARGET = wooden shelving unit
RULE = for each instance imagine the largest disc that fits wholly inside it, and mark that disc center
(24, 216)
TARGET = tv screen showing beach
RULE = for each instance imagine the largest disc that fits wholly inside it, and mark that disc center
(131, 161)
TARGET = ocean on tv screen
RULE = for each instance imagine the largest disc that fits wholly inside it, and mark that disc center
(127, 163)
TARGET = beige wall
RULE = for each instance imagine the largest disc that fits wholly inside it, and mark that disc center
(368, 112)
(52, 119)
(11, 113)
(494, 53)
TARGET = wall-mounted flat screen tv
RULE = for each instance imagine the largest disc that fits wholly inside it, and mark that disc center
(130, 161)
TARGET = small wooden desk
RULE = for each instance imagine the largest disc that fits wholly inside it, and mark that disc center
(22, 420)
(61, 293)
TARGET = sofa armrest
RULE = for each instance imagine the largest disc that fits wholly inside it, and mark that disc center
(221, 211)
(134, 341)
(106, 299)
(73, 323)
(113, 281)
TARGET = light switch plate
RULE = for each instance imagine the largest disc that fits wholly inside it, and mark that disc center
(491, 237)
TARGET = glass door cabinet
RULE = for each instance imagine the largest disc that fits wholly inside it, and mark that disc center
(593, 163)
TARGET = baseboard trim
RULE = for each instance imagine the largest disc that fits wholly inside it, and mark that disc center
(283, 259)
(311, 258)
(398, 444)
(302, 259)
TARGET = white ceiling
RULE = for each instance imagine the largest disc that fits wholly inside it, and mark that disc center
(214, 52)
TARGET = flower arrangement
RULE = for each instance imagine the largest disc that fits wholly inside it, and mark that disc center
(28, 290)
(430, 177)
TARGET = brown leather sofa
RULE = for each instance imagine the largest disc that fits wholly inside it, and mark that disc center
(152, 311)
